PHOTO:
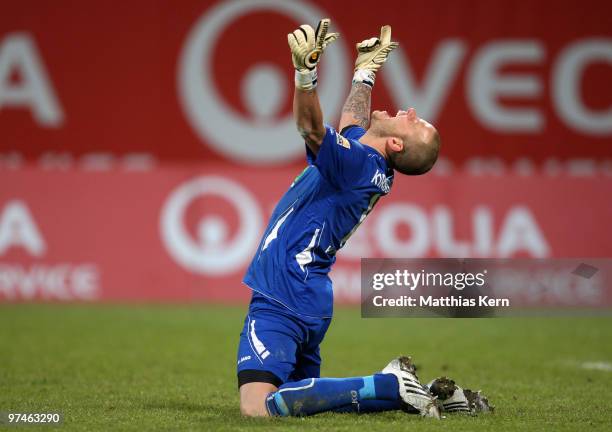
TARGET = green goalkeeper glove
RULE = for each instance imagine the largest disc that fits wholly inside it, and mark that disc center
(307, 46)
(372, 53)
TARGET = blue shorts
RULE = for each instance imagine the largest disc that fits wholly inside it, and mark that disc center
(278, 346)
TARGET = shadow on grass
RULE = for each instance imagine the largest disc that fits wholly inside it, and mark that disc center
(192, 407)
(228, 416)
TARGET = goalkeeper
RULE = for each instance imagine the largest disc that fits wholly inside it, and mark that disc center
(292, 299)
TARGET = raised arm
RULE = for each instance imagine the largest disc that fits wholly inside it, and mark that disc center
(309, 118)
(356, 110)
(307, 46)
(371, 54)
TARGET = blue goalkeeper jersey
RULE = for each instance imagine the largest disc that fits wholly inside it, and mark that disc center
(322, 208)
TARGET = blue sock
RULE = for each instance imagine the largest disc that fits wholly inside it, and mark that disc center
(315, 395)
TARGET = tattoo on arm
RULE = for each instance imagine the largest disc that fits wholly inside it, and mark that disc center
(358, 104)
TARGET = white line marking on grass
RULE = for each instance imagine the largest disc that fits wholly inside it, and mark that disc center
(602, 366)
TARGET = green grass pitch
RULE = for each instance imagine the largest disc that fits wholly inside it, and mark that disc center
(172, 367)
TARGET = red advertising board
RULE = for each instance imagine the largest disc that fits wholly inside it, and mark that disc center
(188, 233)
(212, 80)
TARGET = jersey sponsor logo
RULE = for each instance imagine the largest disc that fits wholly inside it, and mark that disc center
(243, 359)
(343, 141)
(381, 181)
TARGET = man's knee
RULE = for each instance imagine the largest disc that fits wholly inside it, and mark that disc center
(252, 408)
(253, 398)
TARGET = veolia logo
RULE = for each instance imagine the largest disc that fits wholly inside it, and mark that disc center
(213, 251)
(261, 139)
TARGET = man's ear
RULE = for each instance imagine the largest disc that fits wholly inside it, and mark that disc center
(395, 144)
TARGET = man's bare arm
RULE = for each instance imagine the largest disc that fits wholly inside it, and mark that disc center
(309, 118)
(307, 46)
(356, 110)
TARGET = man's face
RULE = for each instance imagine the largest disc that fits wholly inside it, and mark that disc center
(405, 124)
